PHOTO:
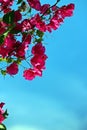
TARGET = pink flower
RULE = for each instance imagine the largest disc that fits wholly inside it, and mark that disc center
(69, 9)
(26, 25)
(3, 52)
(30, 74)
(18, 27)
(2, 104)
(1, 118)
(5, 5)
(6, 9)
(26, 40)
(9, 42)
(35, 4)
(12, 69)
(17, 16)
(39, 58)
(6, 2)
(1, 112)
(54, 24)
(20, 50)
(3, 26)
(38, 61)
(22, 47)
(66, 11)
(59, 16)
(39, 23)
(44, 8)
(38, 49)
(54, 8)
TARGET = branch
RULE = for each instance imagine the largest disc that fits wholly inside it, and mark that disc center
(50, 8)
(55, 3)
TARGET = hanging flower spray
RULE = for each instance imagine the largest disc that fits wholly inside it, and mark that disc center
(29, 21)
(22, 30)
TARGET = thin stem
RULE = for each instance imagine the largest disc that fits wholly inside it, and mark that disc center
(55, 3)
(29, 56)
(50, 8)
(28, 63)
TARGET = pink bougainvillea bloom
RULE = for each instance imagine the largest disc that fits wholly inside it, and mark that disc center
(2, 25)
(26, 25)
(22, 47)
(54, 8)
(54, 24)
(12, 69)
(5, 5)
(39, 23)
(17, 16)
(59, 16)
(30, 73)
(69, 9)
(9, 42)
(38, 61)
(35, 4)
(6, 2)
(44, 9)
(2, 104)
(6, 9)
(1, 118)
(18, 27)
(38, 49)
(26, 40)
(41, 26)
(20, 50)
(66, 11)
(38, 72)
(3, 51)
(1, 112)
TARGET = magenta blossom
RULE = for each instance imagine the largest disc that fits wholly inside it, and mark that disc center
(12, 69)
(1, 113)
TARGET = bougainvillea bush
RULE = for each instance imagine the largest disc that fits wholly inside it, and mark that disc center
(23, 24)
(29, 21)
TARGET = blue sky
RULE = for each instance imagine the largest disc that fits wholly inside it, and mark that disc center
(58, 100)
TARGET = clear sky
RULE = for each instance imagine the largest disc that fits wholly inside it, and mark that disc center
(58, 100)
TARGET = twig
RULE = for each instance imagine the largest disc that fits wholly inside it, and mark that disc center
(50, 8)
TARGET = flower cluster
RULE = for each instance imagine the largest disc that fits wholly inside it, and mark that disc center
(37, 61)
(5, 5)
(3, 114)
(22, 34)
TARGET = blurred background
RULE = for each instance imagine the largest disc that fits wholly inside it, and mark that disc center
(58, 100)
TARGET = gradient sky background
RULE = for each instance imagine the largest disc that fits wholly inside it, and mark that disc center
(58, 100)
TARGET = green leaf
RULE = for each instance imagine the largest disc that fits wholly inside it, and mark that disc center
(13, 31)
(32, 32)
(5, 114)
(39, 33)
(30, 9)
(18, 61)
(2, 127)
(39, 40)
(1, 39)
(1, 59)
(3, 72)
(9, 60)
(19, 1)
(9, 17)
